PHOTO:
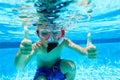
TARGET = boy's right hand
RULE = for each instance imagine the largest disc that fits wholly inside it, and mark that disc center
(26, 44)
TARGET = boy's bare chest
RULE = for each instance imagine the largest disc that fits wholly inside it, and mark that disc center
(49, 56)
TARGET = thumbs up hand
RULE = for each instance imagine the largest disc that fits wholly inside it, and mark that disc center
(91, 49)
(26, 44)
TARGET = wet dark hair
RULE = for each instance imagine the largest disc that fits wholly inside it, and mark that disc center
(37, 32)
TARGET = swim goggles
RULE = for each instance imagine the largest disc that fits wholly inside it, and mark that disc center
(50, 35)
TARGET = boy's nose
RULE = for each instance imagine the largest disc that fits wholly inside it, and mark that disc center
(51, 39)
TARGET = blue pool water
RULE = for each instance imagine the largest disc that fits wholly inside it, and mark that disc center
(105, 67)
(104, 26)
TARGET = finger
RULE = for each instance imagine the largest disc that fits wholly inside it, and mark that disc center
(25, 32)
(92, 57)
(26, 42)
(92, 51)
(25, 48)
(89, 41)
(25, 52)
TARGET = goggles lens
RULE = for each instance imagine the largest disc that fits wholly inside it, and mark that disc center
(56, 33)
(45, 34)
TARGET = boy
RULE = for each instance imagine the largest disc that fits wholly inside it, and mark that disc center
(48, 52)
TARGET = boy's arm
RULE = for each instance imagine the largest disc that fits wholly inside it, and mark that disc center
(21, 58)
(25, 53)
(68, 43)
(90, 51)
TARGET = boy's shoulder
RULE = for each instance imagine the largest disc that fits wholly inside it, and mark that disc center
(66, 40)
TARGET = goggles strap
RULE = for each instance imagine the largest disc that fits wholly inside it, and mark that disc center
(63, 33)
(60, 40)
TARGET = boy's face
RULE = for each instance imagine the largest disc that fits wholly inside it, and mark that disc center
(48, 34)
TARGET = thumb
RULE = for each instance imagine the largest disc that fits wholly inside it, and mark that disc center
(89, 41)
(25, 32)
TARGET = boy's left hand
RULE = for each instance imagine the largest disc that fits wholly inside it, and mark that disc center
(91, 49)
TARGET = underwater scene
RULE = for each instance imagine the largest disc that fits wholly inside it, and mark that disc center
(78, 18)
